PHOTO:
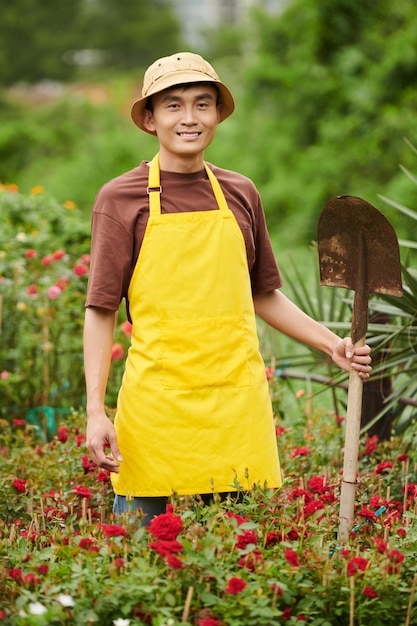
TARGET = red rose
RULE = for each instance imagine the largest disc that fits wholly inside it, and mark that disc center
(63, 434)
(291, 557)
(80, 269)
(357, 564)
(317, 484)
(114, 530)
(16, 574)
(235, 585)
(19, 484)
(174, 562)
(208, 621)
(117, 352)
(84, 492)
(86, 543)
(386, 465)
(166, 546)
(165, 526)
(371, 593)
(246, 538)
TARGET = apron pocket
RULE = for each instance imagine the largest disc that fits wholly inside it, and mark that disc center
(201, 353)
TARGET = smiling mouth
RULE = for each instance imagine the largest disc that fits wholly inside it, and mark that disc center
(189, 135)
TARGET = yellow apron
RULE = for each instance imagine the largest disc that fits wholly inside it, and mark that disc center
(194, 413)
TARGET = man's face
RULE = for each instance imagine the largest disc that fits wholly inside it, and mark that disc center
(184, 119)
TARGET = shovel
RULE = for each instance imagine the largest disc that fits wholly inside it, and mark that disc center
(358, 250)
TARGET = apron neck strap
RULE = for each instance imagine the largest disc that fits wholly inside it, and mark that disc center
(154, 187)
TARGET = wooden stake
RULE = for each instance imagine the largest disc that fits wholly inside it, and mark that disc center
(411, 601)
(352, 602)
(187, 604)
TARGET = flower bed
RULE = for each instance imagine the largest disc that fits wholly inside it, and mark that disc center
(271, 558)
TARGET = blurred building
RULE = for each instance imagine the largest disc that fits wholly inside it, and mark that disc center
(197, 16)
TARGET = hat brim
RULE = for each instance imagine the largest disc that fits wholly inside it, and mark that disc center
(227, 104)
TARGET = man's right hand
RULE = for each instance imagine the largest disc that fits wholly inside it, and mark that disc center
(100, 435)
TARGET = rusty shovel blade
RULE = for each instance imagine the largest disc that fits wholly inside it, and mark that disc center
(358, 249)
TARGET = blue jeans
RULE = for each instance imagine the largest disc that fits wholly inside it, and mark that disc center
(150, 507)
(153, 506)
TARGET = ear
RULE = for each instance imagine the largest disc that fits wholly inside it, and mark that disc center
(219, 109)
(148, 120)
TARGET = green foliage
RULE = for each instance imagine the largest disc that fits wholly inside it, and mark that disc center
(53, 39)
(64, 562)
(44, 266)
(330, 96)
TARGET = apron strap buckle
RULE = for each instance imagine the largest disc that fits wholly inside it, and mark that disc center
(154, 190)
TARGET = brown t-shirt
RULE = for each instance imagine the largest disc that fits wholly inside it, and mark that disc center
(120, 215)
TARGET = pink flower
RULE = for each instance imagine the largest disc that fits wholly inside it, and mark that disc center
(235, 585)
(32, 290)
(31, 254)
(269, 373)
(117, 352)
(54, 292)
(46, 260)
(58, 254)
(4, 375)
(80, 270)
(62, 282)
(304, 451)
(126, 328)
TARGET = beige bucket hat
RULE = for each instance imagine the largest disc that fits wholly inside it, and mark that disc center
(178, 69)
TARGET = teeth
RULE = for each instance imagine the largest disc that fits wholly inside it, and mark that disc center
(188, 134)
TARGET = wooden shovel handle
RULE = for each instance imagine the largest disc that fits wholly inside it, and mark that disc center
(351, 451)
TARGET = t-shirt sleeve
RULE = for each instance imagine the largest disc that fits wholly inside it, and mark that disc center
(265, 275)
(111, 255)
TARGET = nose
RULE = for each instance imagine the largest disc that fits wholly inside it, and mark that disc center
(189, 115)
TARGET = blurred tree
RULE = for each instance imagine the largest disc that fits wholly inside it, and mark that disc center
(332, 93)
(34, 37)
(49, 40)
(132, 33)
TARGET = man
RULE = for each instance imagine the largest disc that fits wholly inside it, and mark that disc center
(186, 244)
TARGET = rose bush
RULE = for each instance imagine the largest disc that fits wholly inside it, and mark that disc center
(44, 266)
(271, 557)
(267, 558)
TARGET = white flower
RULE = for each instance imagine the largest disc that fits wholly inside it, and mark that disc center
(121, 622)
(36, 608)
(22, 238)
(65, 599)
